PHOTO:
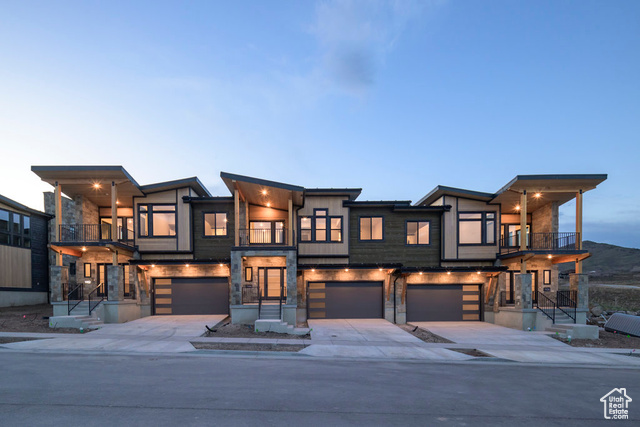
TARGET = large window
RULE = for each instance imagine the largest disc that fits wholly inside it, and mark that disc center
(371, 228)
(417, 232)
(215, 224)
(157, 220)
(321, 228)
(15, 229)
(477, 228)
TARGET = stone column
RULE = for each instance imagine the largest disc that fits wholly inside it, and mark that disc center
(501, 287)
(115, 275)
(57, 276)
(580, 284)
(522, 291)
(236, 278)
(292, 281)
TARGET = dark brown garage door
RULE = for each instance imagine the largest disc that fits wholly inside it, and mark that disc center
(443, 302)
(345, 300)
(209, 295)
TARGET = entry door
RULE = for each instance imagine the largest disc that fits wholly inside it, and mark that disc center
(272, 282)
(102, 280)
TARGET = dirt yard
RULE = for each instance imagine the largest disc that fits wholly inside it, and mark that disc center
(614, 298)
(31, 318)
(606, 340)
(248, 347)
(228, 330)
(424, 335)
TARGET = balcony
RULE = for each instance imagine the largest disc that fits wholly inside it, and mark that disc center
(541, 242)
(263, 237)
(94, 233)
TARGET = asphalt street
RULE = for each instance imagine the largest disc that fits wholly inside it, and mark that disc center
(47, 389)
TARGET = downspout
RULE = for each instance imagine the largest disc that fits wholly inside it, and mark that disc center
(395, 307)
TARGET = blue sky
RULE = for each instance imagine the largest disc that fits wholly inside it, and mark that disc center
(393, 97)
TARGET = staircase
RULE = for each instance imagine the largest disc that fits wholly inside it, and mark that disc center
(269, 311)
(269, 320)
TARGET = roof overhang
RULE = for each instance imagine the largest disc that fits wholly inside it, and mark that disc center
(543, 189)
(193, 183)
(20, 207)
(442, 190)
(263, 192)
(351, 193)
(91, 182)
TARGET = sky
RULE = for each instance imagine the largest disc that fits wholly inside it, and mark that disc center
(393, 97)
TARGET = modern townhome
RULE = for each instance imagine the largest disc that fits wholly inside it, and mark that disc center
(270, 250)
(24, 266)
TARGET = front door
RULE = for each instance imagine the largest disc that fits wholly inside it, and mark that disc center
(102, 280)
(272, 282)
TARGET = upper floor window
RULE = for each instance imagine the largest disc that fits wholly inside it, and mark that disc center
(321, 227)
(157, 220)
(371, 228)
(477, 228)
(15, 229)
(417, 232)
(215, 224)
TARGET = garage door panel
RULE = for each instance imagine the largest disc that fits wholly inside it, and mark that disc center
(191, 296)
(443, 303)
(345, 300)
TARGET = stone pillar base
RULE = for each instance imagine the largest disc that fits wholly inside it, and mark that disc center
(522, 292)
(115, 275)
(57, 276)
(580, 284)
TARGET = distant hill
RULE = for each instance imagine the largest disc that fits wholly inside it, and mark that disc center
(608, 260)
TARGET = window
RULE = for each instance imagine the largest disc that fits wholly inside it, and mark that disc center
(87, 269)
(371, 228)
(417, 232)
(15, 229)
(477, 228)
(157, 220)
(248, 274)
(321, 228)
(546, 277)
(215, 224)
(72, 269)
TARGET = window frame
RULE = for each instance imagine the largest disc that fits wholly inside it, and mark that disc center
(17, 238)
(546, 277)
(248, 274)
(215, 213)
(406, 232)
(483, 227)
(150, 211)
(360, 218)
(328, 229)
(86, 264)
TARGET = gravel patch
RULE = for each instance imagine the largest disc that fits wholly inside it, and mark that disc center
(30, 318)
(227, 330)
(606, 340)
(424, 334)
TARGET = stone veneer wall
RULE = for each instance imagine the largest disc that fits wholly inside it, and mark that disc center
(540, 265)
(545, 219)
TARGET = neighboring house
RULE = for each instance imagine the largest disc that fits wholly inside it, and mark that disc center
(172, 248)
(24, 268)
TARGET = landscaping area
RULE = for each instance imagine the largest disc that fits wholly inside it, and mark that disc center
(248, 346)
(227, 330)
(30, 318)
(424, 335)
(605, 340)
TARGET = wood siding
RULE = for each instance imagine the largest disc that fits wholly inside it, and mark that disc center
(393, 247)
(212, 247)
(15, 267)
(335, 208)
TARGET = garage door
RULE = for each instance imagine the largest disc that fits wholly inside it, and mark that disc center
(345, 300)
(443, 302)
(208, 295)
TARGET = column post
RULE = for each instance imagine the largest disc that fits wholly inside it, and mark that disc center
(114, 220)
(578, 268)
(236, 201)
(523, 229)
(290, 239)
(58, 218)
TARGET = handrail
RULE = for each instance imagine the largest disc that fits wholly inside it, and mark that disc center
(567, 299)
(259, 304)
(545, 304)
(98, 303)
(280, 302)
(558, 241)
(79, 289)
(265, 237)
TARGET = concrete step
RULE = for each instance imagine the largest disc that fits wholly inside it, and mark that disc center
(276, 325)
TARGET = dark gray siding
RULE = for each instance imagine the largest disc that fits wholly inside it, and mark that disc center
(39, 253)
(393, 247)
(212, 247)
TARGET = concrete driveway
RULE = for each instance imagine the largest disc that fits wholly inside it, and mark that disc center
(483, 333)
(165, 334)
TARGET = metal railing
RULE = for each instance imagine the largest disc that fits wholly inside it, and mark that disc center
(547, 306)
(250, 294)
(101, 298)
(542, 241)
(93, 233)
(567, 303)
(263, 237)
(75, 295)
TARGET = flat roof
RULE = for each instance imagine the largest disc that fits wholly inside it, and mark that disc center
(352, 193)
